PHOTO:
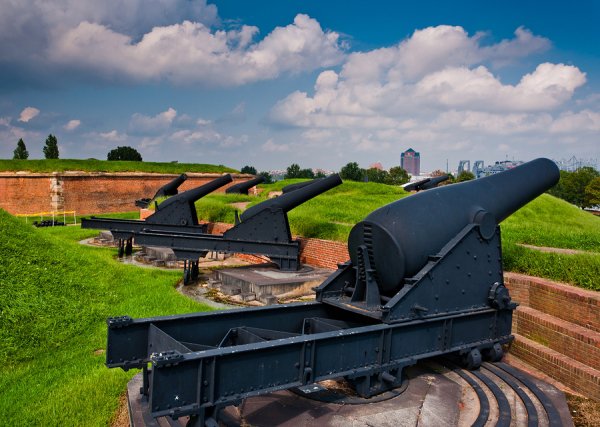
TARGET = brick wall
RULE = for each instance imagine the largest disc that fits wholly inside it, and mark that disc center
(569, 303)
(87, 193)
(315, 252)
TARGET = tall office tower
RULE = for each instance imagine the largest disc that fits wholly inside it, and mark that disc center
(410, 161)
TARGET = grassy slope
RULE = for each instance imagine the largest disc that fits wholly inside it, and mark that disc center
(61, 165)
(54, 300)
(549, 221)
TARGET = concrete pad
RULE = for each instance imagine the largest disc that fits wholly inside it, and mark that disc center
(266, 280)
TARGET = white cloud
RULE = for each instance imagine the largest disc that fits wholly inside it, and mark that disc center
(113, 136)
(189, 52)
(272, 147)
(141, 123)
(436, 90)
(72, 125)
(28, 113)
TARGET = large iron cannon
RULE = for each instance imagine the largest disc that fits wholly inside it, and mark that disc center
(169, 189)
(261, 229)
(243, 187)
(177, 213)
(425, 279)
(426, 184)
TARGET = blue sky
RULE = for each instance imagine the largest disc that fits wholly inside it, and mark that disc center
(319, 83)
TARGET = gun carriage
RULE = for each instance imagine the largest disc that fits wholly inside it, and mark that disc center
(424, 279)
(262, 229)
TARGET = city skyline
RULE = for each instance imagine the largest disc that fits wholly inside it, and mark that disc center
(319, 84)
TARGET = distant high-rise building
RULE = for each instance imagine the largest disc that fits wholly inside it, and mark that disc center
(410, 161)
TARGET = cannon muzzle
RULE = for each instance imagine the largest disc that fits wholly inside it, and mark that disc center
(298, 185)
(401, 236)
(180, 209)
(289, 201)
(243, 187)
(169, 189)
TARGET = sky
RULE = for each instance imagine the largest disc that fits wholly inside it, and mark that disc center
(318, 83)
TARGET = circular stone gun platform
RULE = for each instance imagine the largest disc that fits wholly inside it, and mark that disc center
(436, 393)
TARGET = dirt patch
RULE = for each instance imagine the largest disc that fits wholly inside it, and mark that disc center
(240, 205)
(121, 417)
(585, 412)
(557, 250)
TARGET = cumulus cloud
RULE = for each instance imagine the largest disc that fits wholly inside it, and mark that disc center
(28, 113)
(143, 124)
(156, 40)
(113, 136)
(440, 89)
(189, 52)
(72, 125)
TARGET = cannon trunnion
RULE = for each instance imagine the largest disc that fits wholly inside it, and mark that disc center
(424, 279)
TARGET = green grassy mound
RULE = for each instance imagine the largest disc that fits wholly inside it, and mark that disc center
(61, 165)
(55, 296)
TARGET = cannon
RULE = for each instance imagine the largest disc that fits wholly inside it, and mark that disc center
(243, 187)
(426, 184)
(178, 213)
(424, 279)
(169, 189)
(262, 229)
(298, 185)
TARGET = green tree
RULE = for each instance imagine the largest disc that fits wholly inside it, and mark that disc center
(592, 193)
(249, 169)
(293, 171)
(51, 147)
(377, 175)
(124, 153)
(572, 186)
(397, 176)
(268, 177)
(465, 176)
(320, 174)
(20, 152)
(352, 172)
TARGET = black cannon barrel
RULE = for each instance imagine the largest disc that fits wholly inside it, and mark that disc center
(170, 188)
(194, 194)
(433, 182)
(243, 187)
(402, 235)
(298, 185)
(290, 200)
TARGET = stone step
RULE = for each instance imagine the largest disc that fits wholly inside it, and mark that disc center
(567, 338)
(570, 372)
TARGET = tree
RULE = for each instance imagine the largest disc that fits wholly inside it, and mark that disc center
(572, 186)
(249, 169)
(465, 176)
(592, 193)
(352, 172)
(124, 153)
(51, 147)
(320, 174)
(20, 152)
(267, 176)
(397, 176)
(292, 171)
(377, 175)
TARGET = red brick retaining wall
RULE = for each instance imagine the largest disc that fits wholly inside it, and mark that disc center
(87, 192)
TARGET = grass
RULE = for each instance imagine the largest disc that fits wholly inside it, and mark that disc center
(93, 165)
(68, 219)
(54, 300)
